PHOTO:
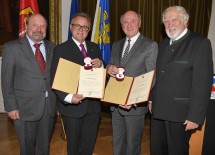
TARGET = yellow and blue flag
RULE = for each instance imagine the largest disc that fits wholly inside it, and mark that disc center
(101, 29)
(73, 10)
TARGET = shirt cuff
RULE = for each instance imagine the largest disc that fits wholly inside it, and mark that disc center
(68, 98)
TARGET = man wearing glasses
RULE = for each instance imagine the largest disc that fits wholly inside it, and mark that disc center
(81, 115)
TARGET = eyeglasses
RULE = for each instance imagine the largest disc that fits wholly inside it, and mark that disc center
(78, 27)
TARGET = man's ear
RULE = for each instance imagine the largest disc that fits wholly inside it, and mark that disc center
(186, 23)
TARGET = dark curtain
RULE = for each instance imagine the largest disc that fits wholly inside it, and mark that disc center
(151, 12)
(44, 10)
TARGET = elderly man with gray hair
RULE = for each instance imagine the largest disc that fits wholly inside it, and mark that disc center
(184, 72)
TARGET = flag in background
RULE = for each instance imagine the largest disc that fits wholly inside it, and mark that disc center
(101, 29)
(26, 7)
(213, 89)
(73, 10)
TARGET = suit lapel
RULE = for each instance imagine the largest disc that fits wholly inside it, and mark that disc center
(90, 50)
(48, 54)
(75, 49)
(27, 50)
(73, 53)
(121, 50)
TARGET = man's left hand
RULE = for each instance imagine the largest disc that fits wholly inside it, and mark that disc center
(190, 125)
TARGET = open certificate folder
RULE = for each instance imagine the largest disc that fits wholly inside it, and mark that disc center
(130, 90)
(73, 78)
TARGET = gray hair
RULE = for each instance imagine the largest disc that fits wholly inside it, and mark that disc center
(181, 10)
(82, 14)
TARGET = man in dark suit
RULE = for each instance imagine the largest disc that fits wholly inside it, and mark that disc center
(184, 72)
(128, 121)
(27, 94)
(81, 115)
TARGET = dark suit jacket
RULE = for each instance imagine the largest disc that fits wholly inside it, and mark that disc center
(70, 51)
(184, 74)
(141, 59)
(23, 84)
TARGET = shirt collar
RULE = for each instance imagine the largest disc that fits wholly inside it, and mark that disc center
(32, 43)
(77, 43)
(134, 38)
(182, 34)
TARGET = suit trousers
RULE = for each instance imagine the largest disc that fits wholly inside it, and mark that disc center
(34, 136)
(127, 133)
(81, 133)
(169, 138)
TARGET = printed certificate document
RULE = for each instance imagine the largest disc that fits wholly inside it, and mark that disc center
(92, 82)
(130, 90)
(140, 89)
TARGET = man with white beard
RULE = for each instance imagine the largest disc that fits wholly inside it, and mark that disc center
(184, 72)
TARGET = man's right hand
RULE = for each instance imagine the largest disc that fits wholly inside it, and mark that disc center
(76, 99)
(112, 70)
(13, 114)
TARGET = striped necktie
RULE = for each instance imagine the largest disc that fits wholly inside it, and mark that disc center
(126, 52)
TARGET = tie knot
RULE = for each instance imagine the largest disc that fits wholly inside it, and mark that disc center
(129, 40)
(81, 45)
(37, 46)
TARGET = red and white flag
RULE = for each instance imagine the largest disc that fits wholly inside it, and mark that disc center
(26, 7)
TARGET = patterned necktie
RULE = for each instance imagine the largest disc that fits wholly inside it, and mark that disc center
(83, 51)
(40, 58)
(125, 52)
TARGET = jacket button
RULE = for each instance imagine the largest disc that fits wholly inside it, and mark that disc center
(162, 71)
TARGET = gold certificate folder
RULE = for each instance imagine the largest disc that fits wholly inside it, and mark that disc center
(130, 90)
(117, 91)
(67, 76)
(73, 78)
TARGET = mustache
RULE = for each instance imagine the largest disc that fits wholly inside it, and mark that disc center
(37, 32)
(172, 28)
